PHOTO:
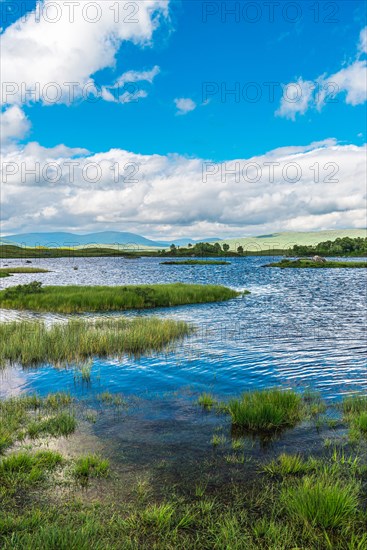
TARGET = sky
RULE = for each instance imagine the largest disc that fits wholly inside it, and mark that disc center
(183, 118)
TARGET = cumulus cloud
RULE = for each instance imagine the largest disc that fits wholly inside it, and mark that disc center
(56, 50)
(184, 105)
(351, 80)
(14, 125)
(318, 186)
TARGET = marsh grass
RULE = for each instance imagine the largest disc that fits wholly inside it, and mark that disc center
(354, 404)
(25, 468)
(33, 416)
(322, 502)
(196, 262)
(32, 342)
(267, 410)
(91, 466)
(286, 465)
(206, 400)
(76, 299)
(299, 264)
(114, 399)
(10, 270)
(62, 424)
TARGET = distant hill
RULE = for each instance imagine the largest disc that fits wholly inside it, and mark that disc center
(270, 241)
(61, 239)
(286, 240)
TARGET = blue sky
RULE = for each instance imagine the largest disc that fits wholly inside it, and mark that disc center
(189, 47)
(191, 52)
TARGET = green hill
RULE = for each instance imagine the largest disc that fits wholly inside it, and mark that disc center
(286, 240)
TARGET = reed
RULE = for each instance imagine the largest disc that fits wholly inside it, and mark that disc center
(32, 342)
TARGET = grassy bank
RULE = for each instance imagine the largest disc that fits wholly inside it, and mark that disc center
(196, 262)
(32, 342)
(311, 264)
(74, 299)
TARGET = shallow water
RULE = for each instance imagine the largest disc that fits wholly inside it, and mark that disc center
(297, 328)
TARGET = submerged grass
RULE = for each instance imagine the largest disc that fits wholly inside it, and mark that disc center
(32, 342)
(90, 466)
(74, 299)
(33, 416)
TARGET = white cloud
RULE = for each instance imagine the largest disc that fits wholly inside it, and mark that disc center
(363, 41)
(184, 105)
(14, 125)
(318, 186)
(127, 90)
(296, 98)
(351, 81)
(58, 54)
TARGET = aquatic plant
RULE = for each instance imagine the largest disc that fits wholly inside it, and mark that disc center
(32, 342)
(91, 466)
(206, 400)
(196, 262)
(74, 299)
(288, 465)
(266, 410)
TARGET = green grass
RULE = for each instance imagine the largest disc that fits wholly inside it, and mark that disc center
(354, 404)
(322, 502)
(311, 264)
(74, 299)
(8, 251)
(286, 240)
(286, 465)
(90, 466)
(206, 400)
(32, 342)
(266, 410)
(30, 413)
(8, 270)
(196, 262)
(25, 468)
(62, 424)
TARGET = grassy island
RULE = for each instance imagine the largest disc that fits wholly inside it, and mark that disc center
(32, 342)
(76, 299)
(196, 262)
(8, 271)
(312, 264)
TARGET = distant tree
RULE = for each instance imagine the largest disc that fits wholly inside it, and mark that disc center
(240, 249)
(173, 248)
(226, 247)
(189, 245)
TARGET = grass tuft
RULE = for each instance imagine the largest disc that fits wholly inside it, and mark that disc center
(324, 503)
(266, 410)
(91, 466)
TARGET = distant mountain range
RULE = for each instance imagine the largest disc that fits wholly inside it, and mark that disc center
(113, 238)
(53, 240)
